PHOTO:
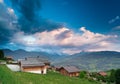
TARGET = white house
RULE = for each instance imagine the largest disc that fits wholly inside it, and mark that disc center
(34, 65)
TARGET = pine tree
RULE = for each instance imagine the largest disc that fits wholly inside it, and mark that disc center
(1, 54)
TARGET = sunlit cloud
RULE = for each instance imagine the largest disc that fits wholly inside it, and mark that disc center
(11, 11)
(66, 40)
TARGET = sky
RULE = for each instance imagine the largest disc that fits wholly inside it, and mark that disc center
(60, 26)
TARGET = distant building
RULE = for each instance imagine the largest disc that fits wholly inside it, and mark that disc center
(69, 71)
(56, 68)
(9, 58)
(102, 73)
(34, 65)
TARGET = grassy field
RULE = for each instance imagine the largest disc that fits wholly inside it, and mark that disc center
(9, 77)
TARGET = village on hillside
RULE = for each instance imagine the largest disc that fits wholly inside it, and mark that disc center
(38, 65)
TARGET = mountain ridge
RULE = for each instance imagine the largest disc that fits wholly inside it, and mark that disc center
(91, 61)
(18, 54)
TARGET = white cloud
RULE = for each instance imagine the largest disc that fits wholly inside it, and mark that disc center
(12, 14)
(7, 17)
(10, 10)
(116, 28)
(21, 38)
(66, 40)
(1, 1)
(71, 51)
(114, 19)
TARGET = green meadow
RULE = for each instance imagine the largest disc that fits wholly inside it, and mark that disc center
(9, 77)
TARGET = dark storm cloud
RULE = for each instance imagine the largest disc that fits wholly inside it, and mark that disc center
(28, 8)
(29, 16)
(26, 18)
(6, 32)
(6, 26)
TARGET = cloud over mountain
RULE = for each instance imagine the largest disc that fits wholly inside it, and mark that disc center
(66, 40)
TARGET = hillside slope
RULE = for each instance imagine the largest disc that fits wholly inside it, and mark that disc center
(9, 77)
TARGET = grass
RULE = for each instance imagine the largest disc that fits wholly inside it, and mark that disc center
(2, 60)
(9, 77)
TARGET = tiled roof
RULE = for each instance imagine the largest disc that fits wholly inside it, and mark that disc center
(71, 68)
(33, 61)
(37, 58)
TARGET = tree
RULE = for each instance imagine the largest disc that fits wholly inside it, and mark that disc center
(112, 75)
(117, 76)
(1, 54)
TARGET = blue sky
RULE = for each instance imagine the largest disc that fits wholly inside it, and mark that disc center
(62, 26)
(94, 14)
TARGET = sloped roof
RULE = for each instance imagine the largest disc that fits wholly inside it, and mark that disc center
(57, 67)
(71, 69)
(32, 61)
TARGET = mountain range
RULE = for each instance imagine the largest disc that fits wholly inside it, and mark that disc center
(19, 54)
(91, 61)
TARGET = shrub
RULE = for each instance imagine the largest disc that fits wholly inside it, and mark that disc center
(82, 74)
(112, 76)
(117, 76)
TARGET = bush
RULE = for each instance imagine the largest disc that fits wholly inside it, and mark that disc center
(82, 74)
(112, 76)
(117, 76)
